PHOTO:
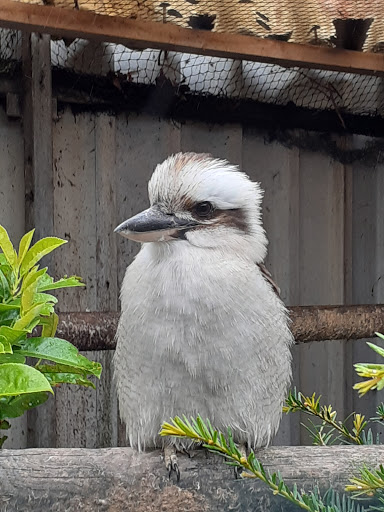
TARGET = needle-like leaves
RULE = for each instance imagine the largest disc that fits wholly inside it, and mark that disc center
(215, 441)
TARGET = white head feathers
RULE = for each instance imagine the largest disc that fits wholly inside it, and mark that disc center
(184, 180)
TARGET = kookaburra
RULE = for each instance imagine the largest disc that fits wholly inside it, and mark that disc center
(202, 331)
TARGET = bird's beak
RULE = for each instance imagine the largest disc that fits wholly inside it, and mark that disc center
(153, 225)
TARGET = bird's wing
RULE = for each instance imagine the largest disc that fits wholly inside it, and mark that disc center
(268, 276)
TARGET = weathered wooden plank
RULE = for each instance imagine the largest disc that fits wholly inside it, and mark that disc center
(350, 376)
(75, 219)
(279, 178)
(37, 132)
(37, 126)
(12, 211)
(136, 33)
(75, 206)
(121, 479)
(367, 259)
(321, 257)
(107, 290)
(221, 141)
(107, 415)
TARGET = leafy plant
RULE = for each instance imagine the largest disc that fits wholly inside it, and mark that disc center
(373, 372)
(336, 431)
(203, 432)
(368, 482)
(26, 306)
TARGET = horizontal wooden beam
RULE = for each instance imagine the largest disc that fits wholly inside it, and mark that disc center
(136, 33)
(96, 331)
(121, 479)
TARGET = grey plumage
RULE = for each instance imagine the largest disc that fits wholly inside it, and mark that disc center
(201, 329)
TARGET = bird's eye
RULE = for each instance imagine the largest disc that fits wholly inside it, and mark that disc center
(203, 209)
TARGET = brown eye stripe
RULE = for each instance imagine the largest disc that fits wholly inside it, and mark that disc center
(232, 219)
(226, 218)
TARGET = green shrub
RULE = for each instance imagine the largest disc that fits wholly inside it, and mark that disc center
(26, 307)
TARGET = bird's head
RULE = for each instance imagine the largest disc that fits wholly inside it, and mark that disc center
(203, 201)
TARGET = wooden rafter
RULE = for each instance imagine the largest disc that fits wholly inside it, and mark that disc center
(147, 34)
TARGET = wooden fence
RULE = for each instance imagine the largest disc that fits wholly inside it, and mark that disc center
(324, 221)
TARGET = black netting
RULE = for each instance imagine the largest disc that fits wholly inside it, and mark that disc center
(10, 50)
(219, 77)
(104, 75)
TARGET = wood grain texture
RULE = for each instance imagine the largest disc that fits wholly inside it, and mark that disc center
(39, 195)
(321, 257)
(120, 479)
(12, 208)
(37, 132)
(75, 220)
(107, 288)
(101, 168)
(367, 260)
(279, 178)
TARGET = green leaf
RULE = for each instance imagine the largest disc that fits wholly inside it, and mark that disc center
(28, 298)
(26, 321)
(4, 425)
(8, 307)
(33, 275)
(46, 297)
(25, 242)
(5, 292)
(17, 379)
(7, 247)
(68, 282)
(13, 335)
(49, 325)
(12, 358)
(17, 405)
(5, 346)
(8, 317)
(2, 440)
(9, 274)
(376, 348)
(59, 351)
(69, 378)
(60, 368)
(37, 251)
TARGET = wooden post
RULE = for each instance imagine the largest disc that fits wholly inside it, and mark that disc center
(37, 131)
(37, 127)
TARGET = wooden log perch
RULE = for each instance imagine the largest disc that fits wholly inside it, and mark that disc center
(120, 479)
(96, 331)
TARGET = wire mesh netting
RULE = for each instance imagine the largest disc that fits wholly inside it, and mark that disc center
(184, 75)
(213, 76)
